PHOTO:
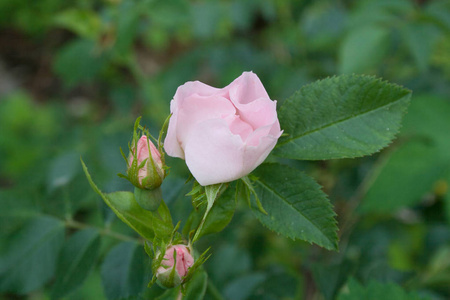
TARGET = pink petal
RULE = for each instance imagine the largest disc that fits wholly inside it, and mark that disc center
(239, 127)
(214, 154)
(272, 130)
(255, 155)
(170, 142)
(196, 109)
(246, 88)
(194, 87)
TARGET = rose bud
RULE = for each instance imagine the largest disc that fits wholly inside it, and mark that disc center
(146, 172)
(174, 266)
(223, 134)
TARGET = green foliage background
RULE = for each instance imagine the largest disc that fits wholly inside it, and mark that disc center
(74, 75)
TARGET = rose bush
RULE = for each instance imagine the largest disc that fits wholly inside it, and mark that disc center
(182, 260)
(223, 134)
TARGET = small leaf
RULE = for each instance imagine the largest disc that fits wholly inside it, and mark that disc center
(339, 117)
(251, 190)
(124, 271)
(31, 259)
(218, 217)
(212, 192)
(76, 260)
(375, 291)
(126, 208)
(297, 207)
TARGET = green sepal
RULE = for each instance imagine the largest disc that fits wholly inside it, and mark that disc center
(149, 250)
(123, 176)
(124, 156)
(161, 134)
(158, 255)
(173, 279)
(197, 264)
(212, 193)
(250, 190)
(218, 217)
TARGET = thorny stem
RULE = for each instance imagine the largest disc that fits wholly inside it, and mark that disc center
(103, 231)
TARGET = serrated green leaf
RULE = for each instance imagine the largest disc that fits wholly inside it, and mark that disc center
(339, 117)
(31, 258)
(297, 207)
(124, 271)
(375, 291)
(76, 260)
(142, 221)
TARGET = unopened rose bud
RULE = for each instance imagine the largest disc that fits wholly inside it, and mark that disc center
(146, 172)
(151, 174)
(174, 266)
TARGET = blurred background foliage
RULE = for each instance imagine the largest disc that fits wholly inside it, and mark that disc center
(75, 74)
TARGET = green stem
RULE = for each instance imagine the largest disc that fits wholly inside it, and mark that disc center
(214, 292)
(78, 225)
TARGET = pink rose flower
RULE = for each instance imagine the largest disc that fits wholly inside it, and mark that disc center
(184, 261)
(223, 134)
(151, 175)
